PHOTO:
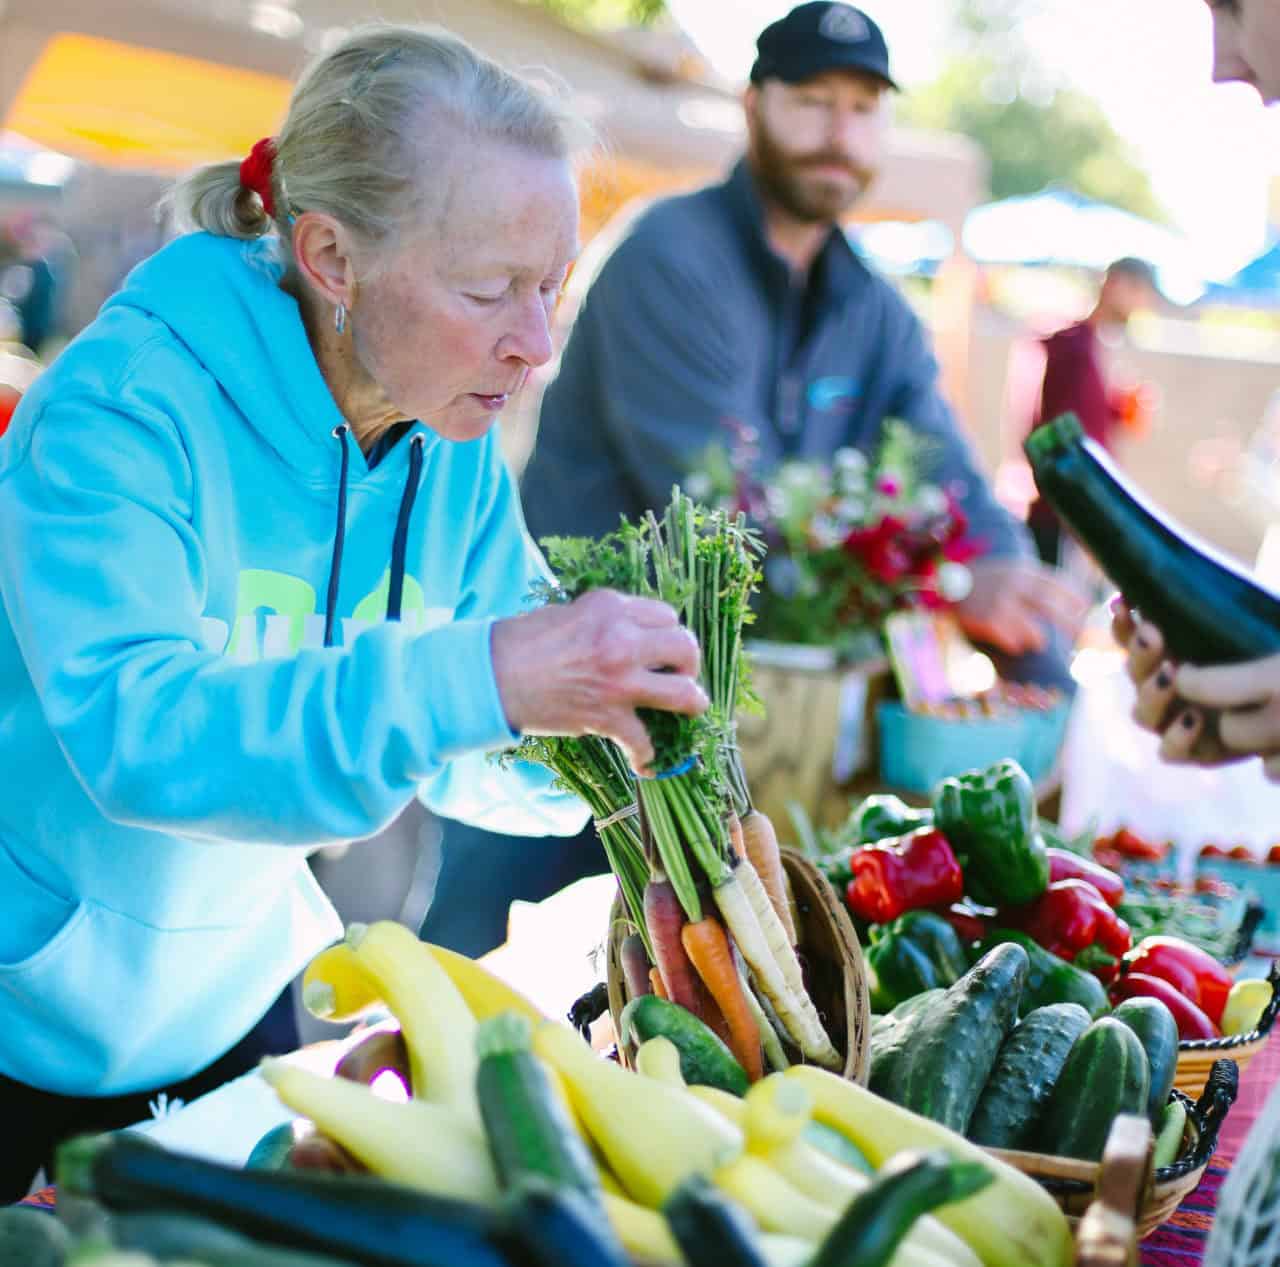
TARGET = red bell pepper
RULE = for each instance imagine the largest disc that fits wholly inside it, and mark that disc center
(1194, 972)
(903, 873)
(1065, 865)
(1070, 918)
(1191, 1020)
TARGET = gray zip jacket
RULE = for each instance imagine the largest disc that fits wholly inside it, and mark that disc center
(694, 320)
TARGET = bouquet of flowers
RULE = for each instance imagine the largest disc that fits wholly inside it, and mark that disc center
(849, 541)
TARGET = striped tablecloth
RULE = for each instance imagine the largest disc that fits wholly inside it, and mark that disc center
(1180, 1242)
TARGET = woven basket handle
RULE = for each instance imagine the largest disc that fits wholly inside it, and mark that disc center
(1268, 1017)
(1219, 1094)
(1108, 1232)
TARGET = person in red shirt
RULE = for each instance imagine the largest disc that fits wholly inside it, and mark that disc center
(1076, 379)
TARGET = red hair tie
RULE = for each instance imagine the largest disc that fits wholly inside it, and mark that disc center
(255, 173)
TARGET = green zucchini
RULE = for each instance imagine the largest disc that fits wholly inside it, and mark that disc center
(1173, 1125)
(705, 1060)
(1026, 1068)
(953, 1042)
(183, 1236)
(1157, 1031)
(710, 1228)
(31, 1238)
(525, 1122)
(373, 1222)
(1209, 609)
(551, 1225)
(1106, 1074)
(875, 1222)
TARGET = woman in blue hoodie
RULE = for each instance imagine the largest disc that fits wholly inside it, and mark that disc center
(263, 572)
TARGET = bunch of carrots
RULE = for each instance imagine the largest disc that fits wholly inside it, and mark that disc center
(698, 866)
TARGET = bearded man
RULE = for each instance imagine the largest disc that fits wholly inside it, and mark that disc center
(744, 302)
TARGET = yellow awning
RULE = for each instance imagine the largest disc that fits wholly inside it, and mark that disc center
(125, 106)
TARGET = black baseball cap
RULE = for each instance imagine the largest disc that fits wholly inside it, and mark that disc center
(817, 37)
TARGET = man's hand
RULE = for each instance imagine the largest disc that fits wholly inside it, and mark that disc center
(1012, 601)
(583, 668)
(1204, 716)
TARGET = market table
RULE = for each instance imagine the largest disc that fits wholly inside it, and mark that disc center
(552, 955)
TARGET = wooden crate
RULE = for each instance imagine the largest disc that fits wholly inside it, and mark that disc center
(818, 732)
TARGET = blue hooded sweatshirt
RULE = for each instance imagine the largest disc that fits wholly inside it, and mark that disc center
(225, 637)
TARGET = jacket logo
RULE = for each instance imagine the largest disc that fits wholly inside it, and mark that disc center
(844, 23)
(833, 392)
(276, 616)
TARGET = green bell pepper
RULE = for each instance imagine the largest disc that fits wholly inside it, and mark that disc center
(919, 951)
(1049, 979)
(880, 817)
(989, 816)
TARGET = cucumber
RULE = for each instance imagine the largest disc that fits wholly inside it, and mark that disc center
(1106, 1074)
(371, 1221)
(1210, 610)
(550, 1225)
(1157, 1031)
(525, 1122)
(891, 1038)
(710, 1228)
(1173, 1125)
(1026, 1069)
(954, 1041)
(705, 1060)
(31, 1238)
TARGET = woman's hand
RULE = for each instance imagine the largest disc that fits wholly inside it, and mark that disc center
(583, 668)
(1204, 716)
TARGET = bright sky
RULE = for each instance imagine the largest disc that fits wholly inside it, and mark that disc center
(1212, 151)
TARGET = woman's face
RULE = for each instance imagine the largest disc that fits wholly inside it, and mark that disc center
(1246, 45)
(451, 324)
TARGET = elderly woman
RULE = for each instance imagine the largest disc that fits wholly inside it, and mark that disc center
(262, 577)
(1214, 715)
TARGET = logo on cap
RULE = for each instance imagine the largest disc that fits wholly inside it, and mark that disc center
(840, 22)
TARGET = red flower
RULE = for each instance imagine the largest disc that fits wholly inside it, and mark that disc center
(881, 549)
(962, 549)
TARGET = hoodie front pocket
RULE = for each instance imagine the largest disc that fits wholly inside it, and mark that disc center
(34, 920)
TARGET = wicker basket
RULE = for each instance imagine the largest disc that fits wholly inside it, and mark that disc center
(1196, 1056)
(829, 952)
(1073, 1183)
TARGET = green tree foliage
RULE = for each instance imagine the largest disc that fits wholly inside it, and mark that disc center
(606, 13)
(1035, 131)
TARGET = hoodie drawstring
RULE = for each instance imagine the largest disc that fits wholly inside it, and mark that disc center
(399, 543)
(335, 565)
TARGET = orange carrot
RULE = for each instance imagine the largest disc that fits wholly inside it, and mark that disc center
(734, 825)
(655, 980)
(762, 850)
(708, 950)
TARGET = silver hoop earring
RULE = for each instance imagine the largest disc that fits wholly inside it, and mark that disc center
(340, 318)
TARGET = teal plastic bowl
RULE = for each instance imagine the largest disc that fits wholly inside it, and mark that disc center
(1259, 881)
(917, 750)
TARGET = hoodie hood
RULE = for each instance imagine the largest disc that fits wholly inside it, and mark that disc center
(202, 286)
